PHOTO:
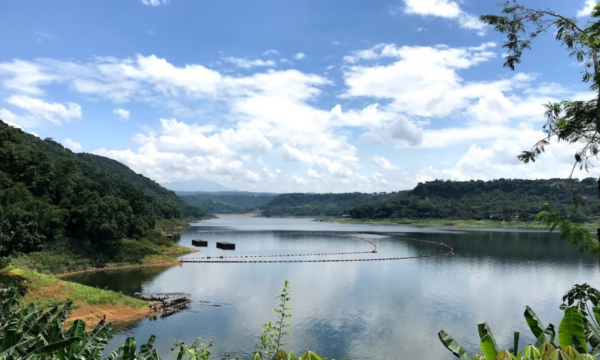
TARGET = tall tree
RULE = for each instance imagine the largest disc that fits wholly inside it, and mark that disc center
(573, 121)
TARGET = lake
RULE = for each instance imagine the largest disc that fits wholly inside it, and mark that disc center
(358, 310)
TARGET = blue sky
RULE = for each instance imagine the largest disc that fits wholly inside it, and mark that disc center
(316, 96)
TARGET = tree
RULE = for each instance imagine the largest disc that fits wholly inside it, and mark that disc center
(19, 234)
(576, 122)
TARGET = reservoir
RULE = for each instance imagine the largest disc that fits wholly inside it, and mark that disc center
(357, 310)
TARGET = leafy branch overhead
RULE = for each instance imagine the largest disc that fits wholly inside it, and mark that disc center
(570, 121)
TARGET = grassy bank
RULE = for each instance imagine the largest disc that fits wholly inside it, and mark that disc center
(89, 304)
(62, 257)
(445, 222)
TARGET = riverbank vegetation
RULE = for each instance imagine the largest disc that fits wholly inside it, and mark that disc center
(501, 201)
(310, 204)
(88, 304)
(62, 211)
(41, 331)
(226, 202)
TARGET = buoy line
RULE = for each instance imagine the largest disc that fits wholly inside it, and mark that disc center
(221, 259)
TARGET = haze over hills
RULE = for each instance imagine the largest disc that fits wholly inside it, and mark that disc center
(196, 185)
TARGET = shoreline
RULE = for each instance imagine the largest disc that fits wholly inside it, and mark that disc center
(444, 222)
(124, 267)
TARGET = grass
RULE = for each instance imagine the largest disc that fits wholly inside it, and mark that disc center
(62, 258)
(89, 304)
(445, 222)
(172, 223)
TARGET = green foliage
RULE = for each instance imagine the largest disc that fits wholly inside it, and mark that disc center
(48, 193)
(570, 232)
(501, 200)
(578, 333)
(320, 204)
(29, 333)
(272, 338)
(572, 121)
(226, 202)
(196, 351)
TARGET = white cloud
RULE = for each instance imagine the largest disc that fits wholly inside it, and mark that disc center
(73, 145)
(24, 76)
(383, 162)
(300, 56)
(155, 2)
(53, 112)
(248, 64)
(122, 113)
(587, 9)
(445, 9)
(423, 81)
(271, 52)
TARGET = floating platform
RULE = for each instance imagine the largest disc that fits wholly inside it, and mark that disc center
(224, 245)
(199, 242)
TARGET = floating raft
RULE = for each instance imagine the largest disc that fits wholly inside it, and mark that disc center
(198, 242)
(225, 245)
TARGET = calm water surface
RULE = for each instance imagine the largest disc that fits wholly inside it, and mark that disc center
(362, 310)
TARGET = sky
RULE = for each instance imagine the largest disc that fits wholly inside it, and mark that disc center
(287, 96)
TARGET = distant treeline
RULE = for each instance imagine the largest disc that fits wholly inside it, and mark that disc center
(50, 195)
(226, 202)
(300, 204)
(502, 199)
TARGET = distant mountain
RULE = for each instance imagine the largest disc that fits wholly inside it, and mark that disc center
(201, 185)
(225, 202)
(311, 204)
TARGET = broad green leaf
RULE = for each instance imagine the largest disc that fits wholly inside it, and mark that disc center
(571, 352)
(530, 352)
(534, 322)
(455, 348)
(592, 333)
(505, 355)
(257, 355)
(546, 337)
(596, 311)
(571, 327)
(309, 355)
(487, 342)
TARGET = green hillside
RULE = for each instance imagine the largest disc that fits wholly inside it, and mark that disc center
(330, 204)
(226, 202)
(78, 206)
(501, 200)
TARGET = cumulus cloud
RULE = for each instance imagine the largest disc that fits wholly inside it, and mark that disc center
(383, 162)
(410, 96)
(248, 64)
(25, 76)
(72, 145)
(300, 56)
(445, 9)
(38, 109)
(587, 9)
(121, 113)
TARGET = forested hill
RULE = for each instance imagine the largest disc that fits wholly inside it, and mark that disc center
(48, 193)
(226, 202)
(308, 204)
(486, 200)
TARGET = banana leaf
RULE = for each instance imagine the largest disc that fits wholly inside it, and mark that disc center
(571, 327)
(488, 344)
(455, 348)
(534, 322)
(546, 337)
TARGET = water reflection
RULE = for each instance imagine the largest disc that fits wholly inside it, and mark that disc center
(361, 310)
